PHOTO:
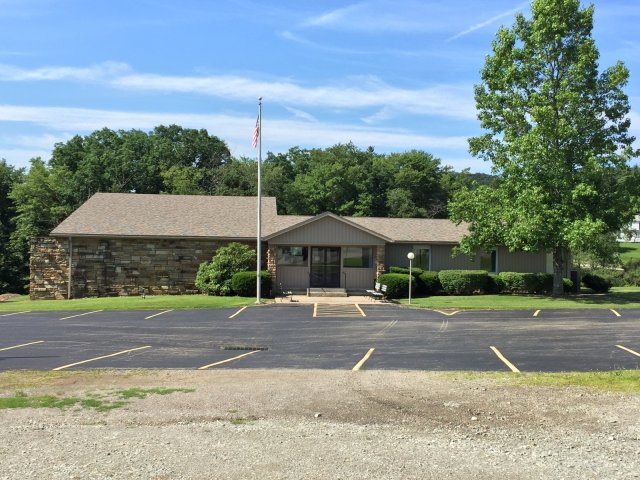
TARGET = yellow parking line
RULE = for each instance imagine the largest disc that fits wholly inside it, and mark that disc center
(100, 358)
(80, 314)
(16, 313)
(448, 314)
(360, 310)
(23, 345)
(629, 350)
(238, 312)
(228, 360)
(535, 314)
(615, 312)
(506, 362)
(156, 314)
(364, 359)
(315, 310)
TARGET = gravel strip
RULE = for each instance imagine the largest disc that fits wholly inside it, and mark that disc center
(291, 424)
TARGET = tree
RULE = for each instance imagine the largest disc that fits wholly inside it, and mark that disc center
(11, 271)
(214, 277)
(557, 136)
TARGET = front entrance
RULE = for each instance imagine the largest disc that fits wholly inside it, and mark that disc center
(325, 267)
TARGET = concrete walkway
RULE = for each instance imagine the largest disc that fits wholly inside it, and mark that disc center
(328, 300)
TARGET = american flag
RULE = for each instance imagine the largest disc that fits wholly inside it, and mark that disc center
(256, 133)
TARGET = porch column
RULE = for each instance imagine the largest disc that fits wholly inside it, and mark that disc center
(271, 264)
(380, 267)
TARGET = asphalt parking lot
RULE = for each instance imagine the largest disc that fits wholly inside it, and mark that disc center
(363, 336)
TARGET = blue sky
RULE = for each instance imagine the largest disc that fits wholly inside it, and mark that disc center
(393, 74)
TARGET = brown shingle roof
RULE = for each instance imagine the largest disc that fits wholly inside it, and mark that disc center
(139, 215)
(427, 230)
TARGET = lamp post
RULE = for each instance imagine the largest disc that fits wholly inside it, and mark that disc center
(410, 256)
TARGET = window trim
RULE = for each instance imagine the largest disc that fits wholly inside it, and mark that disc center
(305, 262)
(371, 256)
(423, 246)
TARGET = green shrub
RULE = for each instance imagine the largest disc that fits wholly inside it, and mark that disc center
(524, 282)
(596, 282)
(430, 283)
(495, 284)
(244, 283)
(397, 284)
(567, 285)
(463, 282)
(215, 277)
(420, 287)
(618, 278)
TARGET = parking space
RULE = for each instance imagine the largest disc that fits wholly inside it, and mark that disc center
(369, 336)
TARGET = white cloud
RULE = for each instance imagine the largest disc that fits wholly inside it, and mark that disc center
(100, 71)
(278, 134)
(487, 22)
(454, 101)
(301, 114)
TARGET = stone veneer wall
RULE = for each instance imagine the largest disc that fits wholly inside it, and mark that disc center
(116, 266)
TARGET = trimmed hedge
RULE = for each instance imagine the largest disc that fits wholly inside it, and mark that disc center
(518, 282)
(495, 284)
(244, 283)
(430, 283)
(420, 287)
(596, 283)
(463, 282)
(397, 284)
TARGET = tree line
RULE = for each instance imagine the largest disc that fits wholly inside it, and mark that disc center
(342, 179)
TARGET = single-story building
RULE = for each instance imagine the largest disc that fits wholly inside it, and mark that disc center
(121, 243)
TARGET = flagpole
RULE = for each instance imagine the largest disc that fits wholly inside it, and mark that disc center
(259, 235)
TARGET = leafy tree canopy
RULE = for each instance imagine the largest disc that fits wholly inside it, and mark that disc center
(557, 137)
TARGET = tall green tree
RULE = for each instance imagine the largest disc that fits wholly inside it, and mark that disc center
(557, 136)
(11, 268)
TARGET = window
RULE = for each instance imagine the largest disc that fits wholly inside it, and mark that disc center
(292, 256)
(423, 257)
(358, 257)
(489, 261)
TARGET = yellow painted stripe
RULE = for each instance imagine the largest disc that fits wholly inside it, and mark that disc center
(633, 352)
(156, 314)
(228, 360)
(360, 310)
(238, 312)
(362, 362)
(23, 345)
(315, 310)
(103, 356)
(506, 362)
(535, 314)
(16, 313)
(448, 314)
(80, 314)
(615, 313)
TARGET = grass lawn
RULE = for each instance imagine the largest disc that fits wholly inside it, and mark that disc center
(629, 251)
(618, 297)
(160, 302)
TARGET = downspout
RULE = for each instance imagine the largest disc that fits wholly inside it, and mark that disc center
(70, 260)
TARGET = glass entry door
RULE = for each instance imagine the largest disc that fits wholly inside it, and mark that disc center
(325, 267)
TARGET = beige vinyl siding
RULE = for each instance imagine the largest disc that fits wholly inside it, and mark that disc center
(395, 255)
(358, 278)
(326, 231)
(521, 261)
(292, 277)
(441, 259)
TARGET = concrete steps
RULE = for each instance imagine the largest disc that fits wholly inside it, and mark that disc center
(326, 292)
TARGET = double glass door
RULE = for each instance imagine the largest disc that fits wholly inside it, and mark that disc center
(325, 267)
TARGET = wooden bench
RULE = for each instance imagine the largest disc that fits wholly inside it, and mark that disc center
(378, 293)
(285, 293)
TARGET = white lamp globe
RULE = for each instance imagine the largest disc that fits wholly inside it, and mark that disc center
(411, 255)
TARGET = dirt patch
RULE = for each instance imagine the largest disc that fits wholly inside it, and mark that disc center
(320, 424)
(5, 297)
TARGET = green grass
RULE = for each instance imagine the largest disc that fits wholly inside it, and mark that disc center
(102, 402)
(629, 251)
(626, 381)
(618, 297)
(161, 302)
